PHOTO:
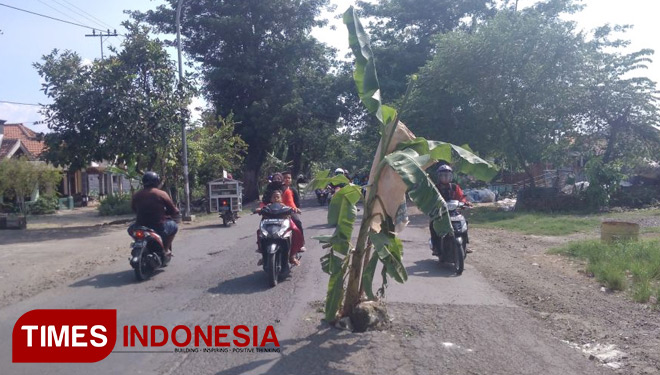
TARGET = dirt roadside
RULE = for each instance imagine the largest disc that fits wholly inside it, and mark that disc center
(568, 303)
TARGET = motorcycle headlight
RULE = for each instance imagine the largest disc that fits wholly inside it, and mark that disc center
(264, 233)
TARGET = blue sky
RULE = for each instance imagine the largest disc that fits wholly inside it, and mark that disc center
(25, 38)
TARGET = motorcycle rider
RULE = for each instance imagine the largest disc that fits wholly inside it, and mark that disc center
(449, 191)
(291, 198)
(276, 183)
(297, 238)
(154, 209)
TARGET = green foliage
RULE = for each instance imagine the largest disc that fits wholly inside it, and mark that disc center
(259, 61)
(603, 180)
(20, 177)
(45, 204)
(510, 84)
(342, 213)
(116, 204)
(403, 33)
(214, 148)
(126, 108)
(612, 264)
(421, 189)
(542, 224)
(408, 163)
(364, 72)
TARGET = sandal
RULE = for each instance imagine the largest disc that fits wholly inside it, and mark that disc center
(294, 261)
(260, 262)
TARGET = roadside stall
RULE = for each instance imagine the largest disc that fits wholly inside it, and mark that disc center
(225, 198)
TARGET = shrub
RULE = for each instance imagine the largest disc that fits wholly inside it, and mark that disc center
(604, 181)
(118, 204)
(46, 204)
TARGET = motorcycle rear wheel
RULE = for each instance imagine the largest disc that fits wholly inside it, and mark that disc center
(143, 270)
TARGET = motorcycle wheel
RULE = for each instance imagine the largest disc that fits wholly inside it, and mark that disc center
(225, 222)
(271, 269)
(459, 256)
(143, 270)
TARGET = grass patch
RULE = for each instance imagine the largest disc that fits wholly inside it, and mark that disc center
(533, 223)
(622, 265)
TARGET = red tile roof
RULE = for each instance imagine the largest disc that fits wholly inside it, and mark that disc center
(28, 138)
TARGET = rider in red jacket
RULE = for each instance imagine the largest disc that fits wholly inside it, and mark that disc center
(449, 192)
(447, 189)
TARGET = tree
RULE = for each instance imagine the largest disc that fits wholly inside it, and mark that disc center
(124, 109)
(621, 105)
(20, 177)
(252, 54)
(515, 80)
(214, 148)
(404, 30)
(399, 164)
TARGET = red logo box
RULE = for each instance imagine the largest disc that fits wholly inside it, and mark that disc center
(64, 336)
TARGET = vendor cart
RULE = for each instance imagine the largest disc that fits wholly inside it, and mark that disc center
(226, 198)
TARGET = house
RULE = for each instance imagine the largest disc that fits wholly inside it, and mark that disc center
(17, 140)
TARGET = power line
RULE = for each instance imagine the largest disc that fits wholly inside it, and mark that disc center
(49, 17)
(17, 103)
(98, 21)
(59, 11)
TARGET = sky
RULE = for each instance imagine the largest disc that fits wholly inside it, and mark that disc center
(26, 38)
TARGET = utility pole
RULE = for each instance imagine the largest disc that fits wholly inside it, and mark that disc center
(100, 35)
(186, 215)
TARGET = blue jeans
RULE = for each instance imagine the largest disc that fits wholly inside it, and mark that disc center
(167, 229)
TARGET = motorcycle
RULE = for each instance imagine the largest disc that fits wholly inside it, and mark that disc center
(453, 249)
(147, 252)
(322, 196)
(274, 238)
(226, 211)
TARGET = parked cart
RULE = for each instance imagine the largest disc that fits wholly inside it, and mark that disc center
(226, 198)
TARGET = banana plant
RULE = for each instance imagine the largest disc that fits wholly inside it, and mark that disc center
(399, 168)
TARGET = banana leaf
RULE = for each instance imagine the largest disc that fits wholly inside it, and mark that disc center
(331, 263)
(322, 179)
(342, 208)
(389, 250)
(410, 166)
(462, 157)
(368, 277)
(364, 74)
(335, 294)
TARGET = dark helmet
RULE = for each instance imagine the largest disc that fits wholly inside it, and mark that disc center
(150, 179)
(445, 173)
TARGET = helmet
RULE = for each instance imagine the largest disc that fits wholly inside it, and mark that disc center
(339, 171)
(445, 174)
(150, 179)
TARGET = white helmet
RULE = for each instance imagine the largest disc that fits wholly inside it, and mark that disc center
(339, 171)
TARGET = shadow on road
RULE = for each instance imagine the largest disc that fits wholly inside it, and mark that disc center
(208, 226)
(38, 235)
(320, 354)
(247, 284)
(108, 280)
(431, 268)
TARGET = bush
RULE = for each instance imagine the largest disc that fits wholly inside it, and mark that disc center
(118, 204)
(44, 205)
(635, 197)
(603, 180)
